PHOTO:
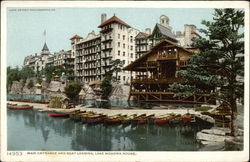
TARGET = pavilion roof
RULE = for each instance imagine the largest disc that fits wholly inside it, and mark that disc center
(132, 65)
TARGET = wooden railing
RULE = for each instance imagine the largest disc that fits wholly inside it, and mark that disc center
(167, 56)
(158, 80)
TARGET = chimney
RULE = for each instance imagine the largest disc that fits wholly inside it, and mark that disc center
(103, 17)
(178, 33)
(148, 30)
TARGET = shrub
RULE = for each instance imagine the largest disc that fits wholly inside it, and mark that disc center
(202, 108)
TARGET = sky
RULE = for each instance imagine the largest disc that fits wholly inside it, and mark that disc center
(25, 27)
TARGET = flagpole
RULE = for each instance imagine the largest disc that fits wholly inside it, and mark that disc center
(44, 34)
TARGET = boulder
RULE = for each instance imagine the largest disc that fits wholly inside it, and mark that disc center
(212, 146)
(120, 92)
(16, 87)
(214, 131)
(205, 118)
(213, 137)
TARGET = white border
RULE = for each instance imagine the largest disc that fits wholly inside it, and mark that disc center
(140, 156)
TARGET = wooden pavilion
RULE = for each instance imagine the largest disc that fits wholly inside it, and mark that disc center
(157, 69)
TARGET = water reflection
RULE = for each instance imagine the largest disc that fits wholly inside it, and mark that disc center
(33, 97)
(64, 134)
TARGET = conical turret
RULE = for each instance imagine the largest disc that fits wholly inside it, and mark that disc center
(45, 50)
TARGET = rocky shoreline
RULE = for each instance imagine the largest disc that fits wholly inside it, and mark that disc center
(218, 138)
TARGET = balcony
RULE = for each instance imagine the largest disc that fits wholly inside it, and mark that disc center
(106, 30)
(169, 56)
(145, 80)
(106, 40)
(106, 48)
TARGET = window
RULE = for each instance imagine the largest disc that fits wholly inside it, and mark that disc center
(123, 61)
(123, 53)
(131, 47)
(118, 36)
(119, 53)
(123, 45)
(124, 78)
(131, 55)
(119, 77)
(123, 37)
(118, 44)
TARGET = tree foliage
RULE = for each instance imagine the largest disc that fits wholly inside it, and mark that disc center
(49, 71)
(116, 67)
(106, 86)
(16, 74)
(219, 68)
(72, 90)
(30, 84)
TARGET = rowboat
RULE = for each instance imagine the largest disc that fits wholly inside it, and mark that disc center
(58, 114)
(95, 119)
(85, 115)
(19, 107)
(151, 120)
(115, 119)
(135, 120)
(186, 118)
(144, 120)
(128, 119)
(176, 119)
(75, 115)
(163, 119)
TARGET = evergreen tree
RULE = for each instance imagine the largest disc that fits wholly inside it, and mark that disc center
(219, 68)
(106, 86)
(72, 90)
(26, 73)
(116, 67)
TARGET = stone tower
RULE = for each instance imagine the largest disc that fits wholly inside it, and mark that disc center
(164, 21)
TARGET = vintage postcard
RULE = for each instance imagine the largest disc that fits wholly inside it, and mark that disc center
(125, 81)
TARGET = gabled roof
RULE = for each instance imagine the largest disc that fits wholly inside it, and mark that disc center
(45, 47)
(150, 52)
(142, 35)
(195, 33)
(76, 37)
(113, 19)
(165, 31)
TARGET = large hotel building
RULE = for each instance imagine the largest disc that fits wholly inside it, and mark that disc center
(90, 58)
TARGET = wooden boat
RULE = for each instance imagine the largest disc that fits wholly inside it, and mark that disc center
(85, 115)
(19, 107)
(58, 114)
(135, 120)
(128, 119)
(151, 120)
(95, 119)
(163, 119)
(115, 119)
(175, 119)
(144, 120)
(186, 118)
(75, 115)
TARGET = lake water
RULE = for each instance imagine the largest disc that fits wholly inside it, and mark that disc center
(34, 130)
(27, 97)
(95, 103)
